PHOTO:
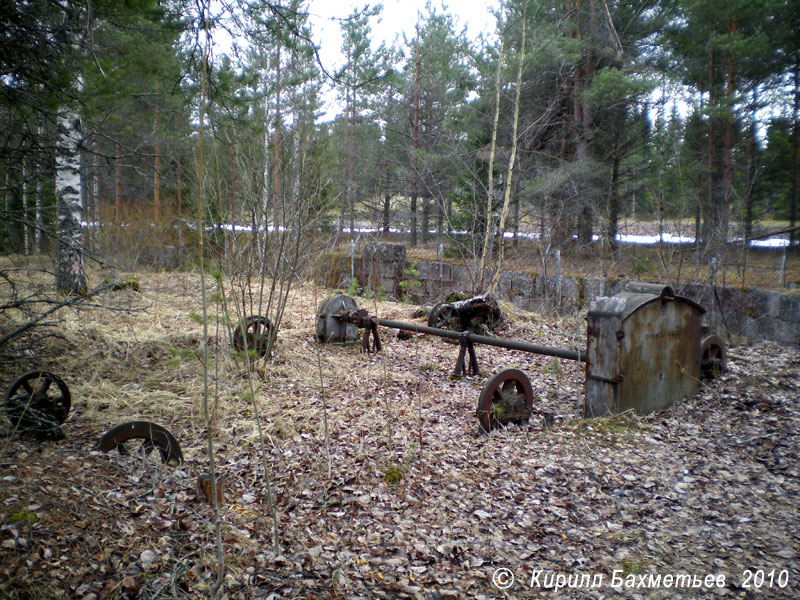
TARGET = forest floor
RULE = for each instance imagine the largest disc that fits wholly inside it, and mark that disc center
(406, 498)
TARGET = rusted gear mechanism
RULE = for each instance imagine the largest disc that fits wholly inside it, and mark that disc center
(506, 398)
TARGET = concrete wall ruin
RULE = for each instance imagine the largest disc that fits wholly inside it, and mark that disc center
(749, 313)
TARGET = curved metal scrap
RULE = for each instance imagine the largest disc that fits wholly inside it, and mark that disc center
(154, 436)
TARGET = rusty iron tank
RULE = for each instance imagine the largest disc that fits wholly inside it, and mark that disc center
(643, 351)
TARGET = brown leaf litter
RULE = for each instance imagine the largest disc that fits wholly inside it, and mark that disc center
(417, 503)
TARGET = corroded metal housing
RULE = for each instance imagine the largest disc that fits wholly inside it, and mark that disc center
(643, 352)
(330, 328)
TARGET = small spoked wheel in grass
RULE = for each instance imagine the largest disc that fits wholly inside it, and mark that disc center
(506, 398)
(714, 356)
(39, 402)
(253, 335)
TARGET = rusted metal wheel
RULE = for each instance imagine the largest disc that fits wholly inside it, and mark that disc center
(253, 335)
(506, 398)
(714, 355)
(38, 401)
(154, 436)
(445, 316)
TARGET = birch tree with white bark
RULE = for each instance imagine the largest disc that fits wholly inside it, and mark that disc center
(70, 274)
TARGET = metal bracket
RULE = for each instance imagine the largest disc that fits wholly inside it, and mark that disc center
(466, 344)
(361, 319)
(371, 328)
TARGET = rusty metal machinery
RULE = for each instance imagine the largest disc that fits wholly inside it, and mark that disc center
(38, 402)
(154, 436)
(330, 328)
(478, 314)
(644, 352)
(253, 335)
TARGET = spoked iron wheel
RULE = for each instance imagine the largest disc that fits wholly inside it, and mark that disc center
(445, 316)
(38, 401)
(506, 398)
(714, 357)
(253, 335)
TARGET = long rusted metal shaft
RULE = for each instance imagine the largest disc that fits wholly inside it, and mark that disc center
(482, 339)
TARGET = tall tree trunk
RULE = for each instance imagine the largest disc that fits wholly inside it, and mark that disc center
(351, 207)
(487, 239)
(794, 237)
(613, 197)
(346, 158)
(233, 192)
(415, 146)
(583, 116)
(512, 158)
(70, 276)
(37, 200)
(179, 209)
(752, 172)
(709, 213)
(156, 163)
(426, 219)
(117, 182)
(387, 206)
(263, 212)
(26, 226)
(276, 175)
(726, 179)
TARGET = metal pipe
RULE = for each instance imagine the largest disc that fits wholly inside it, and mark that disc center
(488, 341)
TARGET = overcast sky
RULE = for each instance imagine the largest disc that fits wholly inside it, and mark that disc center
(397, 18)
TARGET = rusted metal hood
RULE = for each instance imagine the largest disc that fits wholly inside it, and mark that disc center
(643, 351)
(624, 304)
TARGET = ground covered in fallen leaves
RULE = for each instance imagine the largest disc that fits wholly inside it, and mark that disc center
(405, 498)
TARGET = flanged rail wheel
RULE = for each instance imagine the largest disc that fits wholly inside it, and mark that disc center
(506, 398)
(253, 335)
(38, 401)
(714, 356)
(445, 316)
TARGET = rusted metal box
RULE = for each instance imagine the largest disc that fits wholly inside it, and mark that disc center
(643, 352)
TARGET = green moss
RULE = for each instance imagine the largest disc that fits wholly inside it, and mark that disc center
(24, 517)
(130, 283)
(393, 475)
(632, 568)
